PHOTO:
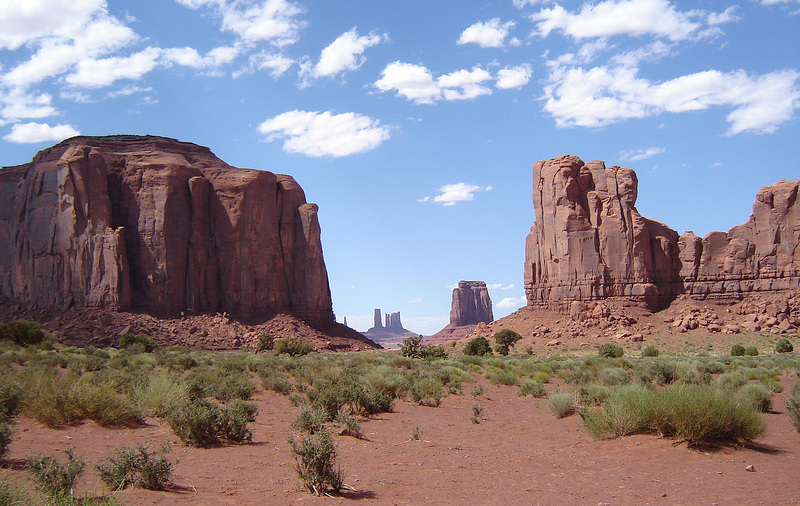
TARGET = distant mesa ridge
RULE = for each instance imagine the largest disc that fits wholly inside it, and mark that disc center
(588, 242)
(393, 324)
(151, 224)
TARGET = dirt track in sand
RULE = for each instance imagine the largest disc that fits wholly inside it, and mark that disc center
(518, 454)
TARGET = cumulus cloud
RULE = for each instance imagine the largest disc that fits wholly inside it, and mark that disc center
(635, 155)
(318, 134)
(512, 302)
(500, 286)
(489, 34)
(16, 104)
(608, 94)
(417, 83)
(454, 193)
(96, 73)
(416, 300)
(658, 18)
(23, 133)
(513, 77)
(344, 54)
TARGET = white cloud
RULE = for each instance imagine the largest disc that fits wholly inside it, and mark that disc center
(319, 134)
(519, 4)
(641, 154)
(22, 22)
(416, 82)
(96, 73)
(344, 53)
(453, 193)
(416, 300)
(272, 21)
(604, 95)
(17, 103)
(190, 57)
(24, 133)
(513, 77)
(489, 34)
(658, 18)
(275, 64)
(512, 302)
(500, 286)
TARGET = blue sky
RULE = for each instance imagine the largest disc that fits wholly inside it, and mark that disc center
(414, 124)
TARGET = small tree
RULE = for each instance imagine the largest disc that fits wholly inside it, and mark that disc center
(266, 342)
(412, 347)
(478, 346)
(609, 350)
(506, 339)
(784, 346)
(21, 332)
(737, 350)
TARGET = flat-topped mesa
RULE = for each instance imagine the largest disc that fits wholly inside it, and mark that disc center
(471, 304)
(156, 225)
(589, 242)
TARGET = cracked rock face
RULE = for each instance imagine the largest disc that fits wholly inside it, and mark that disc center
(589, 242)
(155, 225)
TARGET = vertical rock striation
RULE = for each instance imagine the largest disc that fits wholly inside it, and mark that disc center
(471, 304)
(160, 226)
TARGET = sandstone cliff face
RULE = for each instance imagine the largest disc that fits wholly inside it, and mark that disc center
(470, 306)
(156, 225)
(589, 242)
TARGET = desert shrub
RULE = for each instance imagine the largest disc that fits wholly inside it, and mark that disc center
(310, 419)
(757, 395)
(50, 398)
(737, 350)
(136, 467)
(471, 360)
(784, 346)
(773, 384)
(542, 377)
(477, 390)
(608, 350)
(293, 346)
(315, 459)
(532, 387)
(55, 478)
(103, 405)
(371, 401)
(630, 409)
(561, 404)
(425, 390)
(793, 406)
(613, 376)
(756, 373)
(477, 413)
(412, 347)
(503, 377)
(161, 394)
(592, 394)
(147, 343)
(751, 351)
(694, 413)
(11, 396)
(506, 339)
(275, 381)
(205, 381)
(265, 342)
(21, 332)
(731, 381)
(650, 351)
(233, 421)
(5, 437)
(349, 423)
(713, 367)
(478, 347)
(12, 494)
(196, 422)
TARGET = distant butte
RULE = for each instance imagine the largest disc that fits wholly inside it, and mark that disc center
(471, 305)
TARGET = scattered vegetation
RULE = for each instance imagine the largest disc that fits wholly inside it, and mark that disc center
(56, 478)
(136, 467)
(315, 462)
(608, 350)
(561, 404)
(478, 346)
(412, 347)
(21, 332)
(293, 346)
(784, 346)
(144, 343)
(477, 413)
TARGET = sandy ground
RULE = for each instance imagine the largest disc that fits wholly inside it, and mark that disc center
(518, 454)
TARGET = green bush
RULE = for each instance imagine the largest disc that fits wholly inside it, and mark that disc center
(293, 346)
(274, 380)
(793, 408)
(412, 347)
(756, 394)
(147, 343)
(737, 350)
(5, 438)
(196, 422)
(136, 467)
(751, 351)
(532, 387)
(503, 377)
(161, 394)
(349, 423)
(592, 394)
(13, 494)
(609, 350)
(629, 410)
(477, 413)
(310, 419)
(784, 346)
(478, 347)
(561, 404)
(234, 419)
(315, 459)
(55, 478)
(650, 351)
(11, 396)
(426, 390)
(614, 376)
(21, 332)
(266, 342)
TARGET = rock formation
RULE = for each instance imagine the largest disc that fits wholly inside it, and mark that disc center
(470, 306)
(154, 225)
(589, 243)
(390, 335)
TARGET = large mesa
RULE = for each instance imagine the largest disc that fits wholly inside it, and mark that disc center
(589, 242)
